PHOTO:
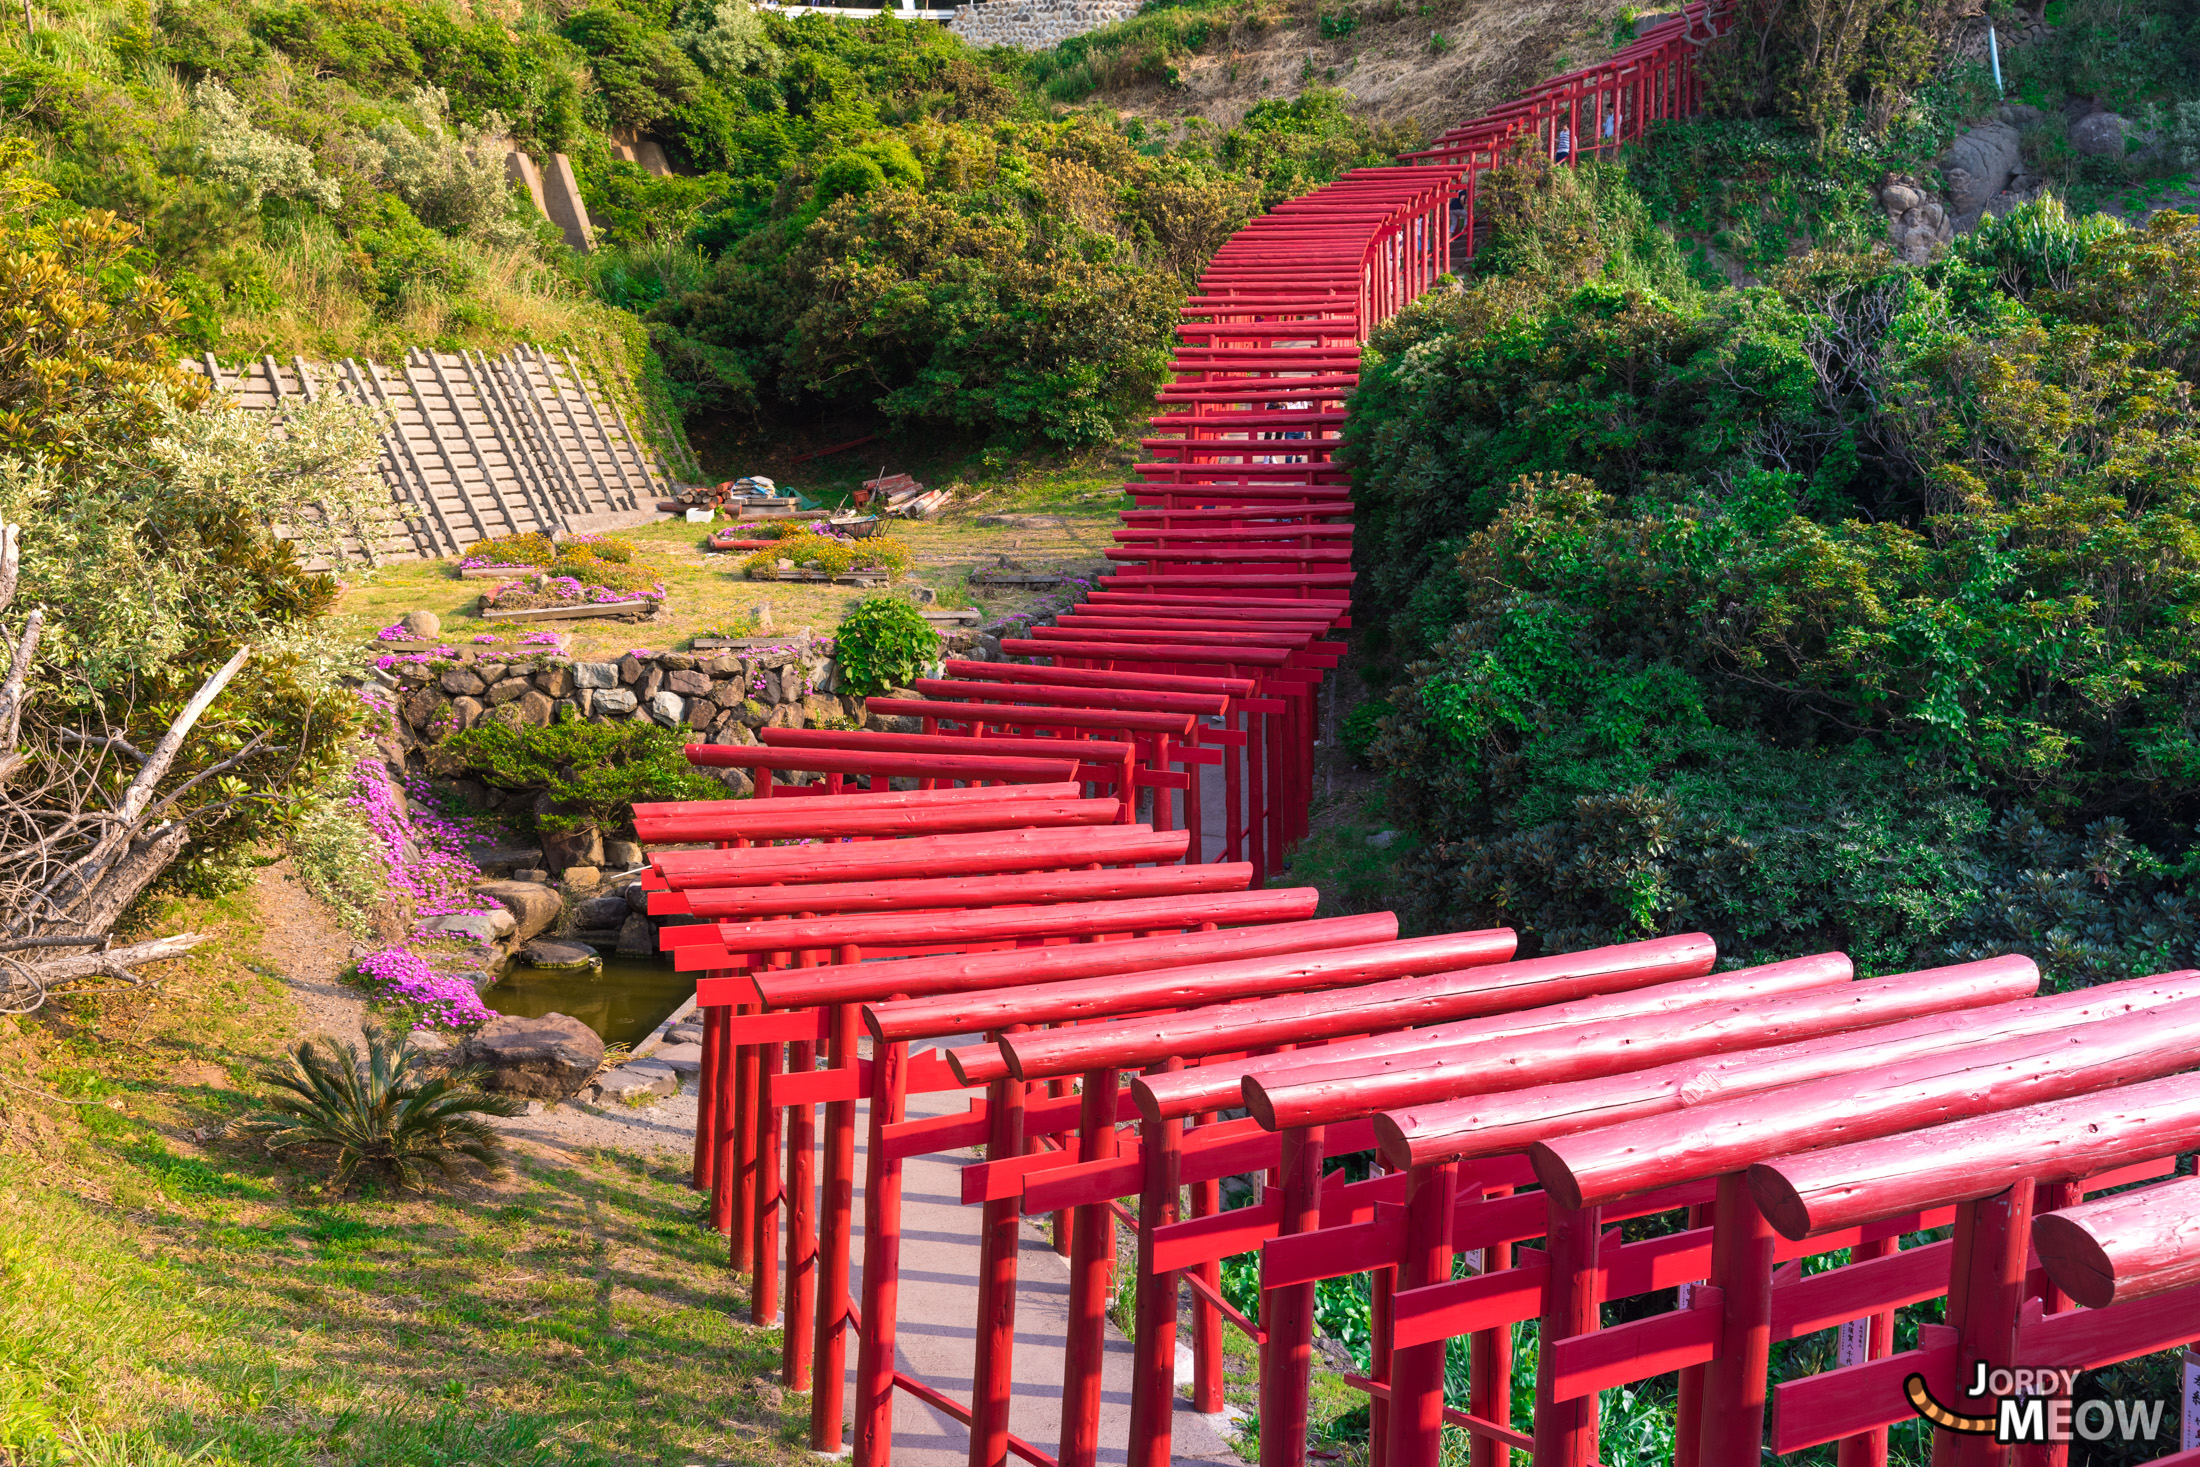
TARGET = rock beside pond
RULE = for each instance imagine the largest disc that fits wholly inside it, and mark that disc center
(638, 1082)
(502, 860)
(600, 911)
(637, 938)
(685, 1058)
(550, 1057)
(482, 927)
(622, 855)
(557, 955)
(572, 848)
(534, 908)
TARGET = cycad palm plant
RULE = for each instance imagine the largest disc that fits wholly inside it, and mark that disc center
(383, 1111)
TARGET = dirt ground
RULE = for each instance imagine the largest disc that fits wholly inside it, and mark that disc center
(1433, 65)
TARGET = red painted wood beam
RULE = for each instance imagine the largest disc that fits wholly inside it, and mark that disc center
(882, 800)
(943, 892)
(973, 766)
(970, 852)
(765, 820)
(1426, 998)
(729, 943)
(1093, 998)
(1220, 1085)
(859, 983)
(2064, 1140)
(1611, 1035)
(1501, 1124)
(1871, 1101)
(2124, 1248)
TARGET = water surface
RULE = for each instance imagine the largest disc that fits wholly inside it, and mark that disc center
(623, 1001)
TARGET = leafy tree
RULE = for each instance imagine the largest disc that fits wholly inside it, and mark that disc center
(1854, 609)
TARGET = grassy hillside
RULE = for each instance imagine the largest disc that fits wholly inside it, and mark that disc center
(865, 217)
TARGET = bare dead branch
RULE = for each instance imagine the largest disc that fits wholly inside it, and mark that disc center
(140, 794)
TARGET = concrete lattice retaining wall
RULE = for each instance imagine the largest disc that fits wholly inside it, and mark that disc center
(1034, 24)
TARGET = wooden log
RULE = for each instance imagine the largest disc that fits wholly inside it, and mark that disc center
(2064, 1140)
(570, 613)
(2126, 1247)
(1869, 1101)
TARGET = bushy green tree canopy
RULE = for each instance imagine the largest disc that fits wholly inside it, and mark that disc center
(1859, 609)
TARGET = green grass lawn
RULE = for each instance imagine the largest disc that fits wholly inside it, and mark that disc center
(166, 1300)
(708, 596)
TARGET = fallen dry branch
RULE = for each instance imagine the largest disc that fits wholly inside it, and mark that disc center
(75, 853)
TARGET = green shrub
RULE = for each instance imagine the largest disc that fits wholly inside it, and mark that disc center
(1361, 725)
(383, 1112)
(594, 773)
(884, 643)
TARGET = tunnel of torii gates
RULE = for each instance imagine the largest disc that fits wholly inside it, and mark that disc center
(1053, 897)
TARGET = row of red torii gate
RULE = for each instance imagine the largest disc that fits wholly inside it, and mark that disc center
(1069, 908)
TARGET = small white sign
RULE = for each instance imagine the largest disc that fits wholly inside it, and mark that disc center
(1688, 1296)
(2192, 1400)
(1473, 1259)
(1855, 1345)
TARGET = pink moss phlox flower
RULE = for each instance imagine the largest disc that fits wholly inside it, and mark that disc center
(396, 631)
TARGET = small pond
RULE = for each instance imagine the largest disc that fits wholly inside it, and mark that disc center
(623, 1001)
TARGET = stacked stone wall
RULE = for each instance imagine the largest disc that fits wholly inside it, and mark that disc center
(1035, 24)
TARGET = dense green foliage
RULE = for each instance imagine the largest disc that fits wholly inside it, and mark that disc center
(1853, 610)
(910, 232)
(593, 773)
(146, 533)
(867, 215)
(882, 643)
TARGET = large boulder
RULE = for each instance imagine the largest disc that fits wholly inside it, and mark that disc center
(533, 907)
(482, 927)
(1979, 165)
(501, 860)
(550, 1057)
(573, 848)
(2099, 136)
(622, 855)
(598, 912)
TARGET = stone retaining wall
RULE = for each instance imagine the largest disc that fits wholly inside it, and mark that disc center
(1035, 24)
(724, 697)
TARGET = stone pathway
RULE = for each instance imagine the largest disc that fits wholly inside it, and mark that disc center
(936, 1338)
